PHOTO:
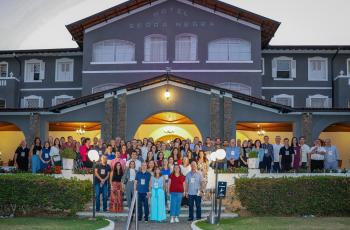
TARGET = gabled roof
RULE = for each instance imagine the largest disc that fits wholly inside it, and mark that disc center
(268, 26)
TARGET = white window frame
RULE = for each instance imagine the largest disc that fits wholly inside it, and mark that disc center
(293, 68)
(310, 97)
(114, 62)
(228, 85)
(262, 66)
(25, 105)
(145, 50)
(291, 97)
(65, 60)
(3, 99)
(229, 61)
(195, 43)
(42, 70)
(54, 100)
(310, 78)
(348, 66)
(7, 68)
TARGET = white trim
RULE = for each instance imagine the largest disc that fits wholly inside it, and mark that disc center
(9, 78)
(3, 99)
(262, 66)
(274, 68)
(283, 79)
(186, 62)
(177, 71)
(7, 69)
(102, 24)
(34, 61)
(291, 97)
(155, 62)
(341, 76)
(49, 89)
(71, 62)
(296, 87)
(309, 68)
(24, 104)
(83, 105)
(228, 62)
(308, 100)
(348, 66)
(303, 51)
(113, 63)
(54, 100)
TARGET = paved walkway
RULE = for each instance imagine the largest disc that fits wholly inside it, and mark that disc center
(158, 226)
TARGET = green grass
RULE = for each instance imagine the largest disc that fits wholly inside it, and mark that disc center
(41, 223)
(277, 223)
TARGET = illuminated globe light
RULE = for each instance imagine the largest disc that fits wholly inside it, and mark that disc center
(93, 155)
(212, 156)
(220, 154)
(167, 94)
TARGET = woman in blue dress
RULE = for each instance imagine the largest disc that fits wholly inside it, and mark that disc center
(157, 185)
(45, 158)
(35, 152)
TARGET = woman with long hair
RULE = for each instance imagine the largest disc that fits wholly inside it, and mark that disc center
(261, 152)
(297, 153)
(160, 159)
(55, 153)
(176, 189)
(185, 149)
(151, 167)
(117, 188)
(150, 156)
(171, 164)
(157, 186)
(129, 181)
(176, 155)
(124, 153)
(45, 158)
(166, 174)
(34, 153)
(203, 165)
(243, 158)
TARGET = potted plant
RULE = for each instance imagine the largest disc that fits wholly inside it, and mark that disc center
(253, 162)
(68, 156)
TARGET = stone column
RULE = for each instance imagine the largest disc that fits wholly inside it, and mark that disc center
(306, 127)
(215, 116)
(121, 116)
(107, 123)
(34, 128)
(228, 128)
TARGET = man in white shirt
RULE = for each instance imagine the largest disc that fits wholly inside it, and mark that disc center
(317, 156)
(305, 150)
(276, 154)
(134, 158)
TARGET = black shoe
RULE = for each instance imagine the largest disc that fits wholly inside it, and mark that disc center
(189, 219)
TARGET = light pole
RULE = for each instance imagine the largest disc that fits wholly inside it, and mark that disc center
(93, 156)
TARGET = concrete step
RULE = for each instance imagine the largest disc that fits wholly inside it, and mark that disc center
(183, 209)
(204, 204)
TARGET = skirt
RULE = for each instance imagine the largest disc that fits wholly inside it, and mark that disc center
(35, 163)
(158, 212)
(116, 200)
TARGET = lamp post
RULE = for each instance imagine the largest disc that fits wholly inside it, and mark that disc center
(93, 156)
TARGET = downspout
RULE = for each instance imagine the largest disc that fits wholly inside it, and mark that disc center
(20, 65)
(332, 73)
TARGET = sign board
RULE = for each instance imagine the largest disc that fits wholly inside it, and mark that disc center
(222, 189)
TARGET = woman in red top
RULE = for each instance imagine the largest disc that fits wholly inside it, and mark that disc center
(177, 191)
(84, 149)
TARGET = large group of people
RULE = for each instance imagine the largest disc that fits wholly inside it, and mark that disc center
(170, 174)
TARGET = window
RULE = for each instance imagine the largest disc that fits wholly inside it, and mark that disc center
(104, 87)
(284, 99)
(4, 69)
(113, 51)
(283, 68)
(64, 69)
(262, 66)
(229, 50)
(32, 102)
(348, 66)
(186, 48)
(34, 70)
(238, 87)
(2, 103)
(317, 69)
(318, 101)
(61, 99)
(155, 49)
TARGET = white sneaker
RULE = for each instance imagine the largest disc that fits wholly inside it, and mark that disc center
(172, 220)
(177, 220)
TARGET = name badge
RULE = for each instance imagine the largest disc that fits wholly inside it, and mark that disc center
(143, 182)
(330, 153)
(287, 153)
(103, 171)
(166, 177)
(100, 152)
(23, 154)
(193, 179)
(155, 184)
(56, 158)
(266, 151)
(232, 153)
(46, 155)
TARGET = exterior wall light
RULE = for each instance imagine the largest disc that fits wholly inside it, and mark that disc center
(167, 94)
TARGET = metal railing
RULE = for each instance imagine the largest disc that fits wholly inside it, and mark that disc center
(133, 207)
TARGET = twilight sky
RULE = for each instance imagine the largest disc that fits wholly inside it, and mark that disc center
(33, 24)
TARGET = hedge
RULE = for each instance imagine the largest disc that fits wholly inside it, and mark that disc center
(30, 194)
(316, 195)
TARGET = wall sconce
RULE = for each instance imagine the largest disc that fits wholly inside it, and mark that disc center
(167, 94)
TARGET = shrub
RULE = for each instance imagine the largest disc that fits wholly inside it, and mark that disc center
(317, 195)
(29, 194)
(234, 170)
(253, 154)
(68, 153)
(83, 171)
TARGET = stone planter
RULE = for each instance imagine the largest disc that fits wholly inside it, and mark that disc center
(253, 163)
(67, 163)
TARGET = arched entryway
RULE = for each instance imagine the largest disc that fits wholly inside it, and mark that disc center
(167, 126)
(339, 134)
(10, 138)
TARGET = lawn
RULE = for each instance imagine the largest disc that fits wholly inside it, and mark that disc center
(274, 223)
(24, 223)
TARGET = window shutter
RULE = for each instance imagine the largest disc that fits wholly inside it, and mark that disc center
(274, 68)
(308, 102)
(53, 102)
(41, 102)
(147, 49)
(42, 70)
(294, 68)
(23, 103)
(193, 56)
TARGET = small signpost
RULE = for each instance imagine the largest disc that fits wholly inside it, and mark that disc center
(221, 193)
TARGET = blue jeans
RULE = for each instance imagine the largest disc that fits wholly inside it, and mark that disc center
(267, 163)
(276, 167)
(142, 200)
(175, 203)
(191, 200)
(333, 165)
(101, 189)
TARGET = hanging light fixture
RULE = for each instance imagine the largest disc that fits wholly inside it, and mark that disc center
(261, 132)
(81, 130)
(167, 93)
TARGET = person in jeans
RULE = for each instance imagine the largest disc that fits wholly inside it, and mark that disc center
(331, 156)
(305, 149)
(129, 180)
(141, 185)
(268, 155)
(286, 156)
(276, 155)
(194, 191)
(176, 188)
(233, 154)
(102, 171)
